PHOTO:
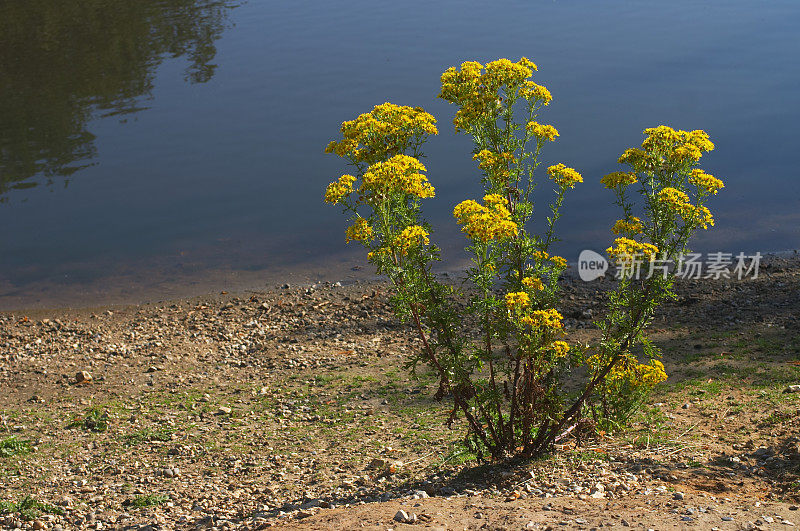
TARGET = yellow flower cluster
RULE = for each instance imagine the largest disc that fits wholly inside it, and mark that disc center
(533, 283)
(678, 202)
(542, 132)
(383, 132)
(383, 251)
(706, 182)
(517, 300)
(410, 238)
(360, 231)
(633, 156)
(702, 217)
(675, 199)
(400, 173)
(533, 91)
(495, 164)
(630, 226)
(489, 222)
(560, 348)
(680, 145)
(558, 261)
(629, 370)
(639, 374)
(550, 319)
(626, 249)
(619, 178)
(563, 176)
(503, 72)
(478, 92)
(340, 189)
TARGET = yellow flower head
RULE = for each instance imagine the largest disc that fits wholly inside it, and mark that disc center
(503, 72)
(517, 300)
(702, 217)
(533, 283)
(629, 227)
(340, 189)
(385, 131)
(559, 261)
(410, 238)
(626, 249)
(619, 179)
(532, 91)
(678, 146)
(360, 231)
(632, 156)
(400, 173)
(678, 202)
(542, 132)
(706, 182)
(543, 319)
(479, 93)
(491, 221)
(563, 176)
(560, 348)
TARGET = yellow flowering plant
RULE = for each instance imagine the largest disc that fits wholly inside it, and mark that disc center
(669, 193)
(503, 359)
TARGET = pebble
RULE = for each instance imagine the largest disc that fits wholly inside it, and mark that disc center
(83, 377)
(404, 517)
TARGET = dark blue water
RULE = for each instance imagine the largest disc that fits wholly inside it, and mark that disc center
(181, 143)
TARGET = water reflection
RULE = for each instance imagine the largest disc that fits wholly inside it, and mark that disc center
(63, 63)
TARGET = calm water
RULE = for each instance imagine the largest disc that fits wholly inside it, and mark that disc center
(178, 143)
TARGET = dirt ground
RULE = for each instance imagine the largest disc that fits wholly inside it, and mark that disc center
(292, 408)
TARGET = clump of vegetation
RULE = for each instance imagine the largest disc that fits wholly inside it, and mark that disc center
(28, 508)
(11, 446)
(94, 419)
(503, 360)
(146, 500)
(149, 435)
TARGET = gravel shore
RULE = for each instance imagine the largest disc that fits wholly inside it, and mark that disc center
(291, 407)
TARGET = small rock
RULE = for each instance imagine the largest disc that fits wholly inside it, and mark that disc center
(792, 389)
(83, 377)
(38, 524)
(224, 410)
(401, 516)
(687, 405)
(376, 463)
(677, 496)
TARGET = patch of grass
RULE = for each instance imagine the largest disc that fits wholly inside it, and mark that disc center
(94, 420)
(28, 508)
(146, 500)
(11, 446)
(149, 435)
